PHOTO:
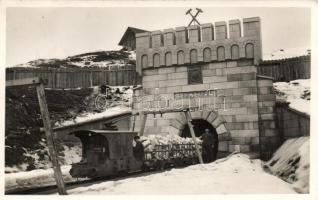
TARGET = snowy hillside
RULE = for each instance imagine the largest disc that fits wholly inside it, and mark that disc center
(118, 101)
(25, 145)
(99, 59)
(296, 93)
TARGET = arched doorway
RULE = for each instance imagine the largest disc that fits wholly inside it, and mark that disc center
(209, 119)
(199, 126)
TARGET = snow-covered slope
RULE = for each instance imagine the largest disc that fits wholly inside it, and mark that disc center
(99, 59)
(296, 93)
(291, 163)
(236, 174)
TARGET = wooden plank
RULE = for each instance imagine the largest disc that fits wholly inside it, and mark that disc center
(50, 140)
(143, 124)
(188, 117)
(134, 123)
(91, 79)
(162, 111)
(25, 81)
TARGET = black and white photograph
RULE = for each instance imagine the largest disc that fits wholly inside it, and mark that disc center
(156, 99)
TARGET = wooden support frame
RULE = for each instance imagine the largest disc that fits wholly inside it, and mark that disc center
(47, 127)
(143, 124)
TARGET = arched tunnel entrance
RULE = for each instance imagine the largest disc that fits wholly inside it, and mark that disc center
(199, 126)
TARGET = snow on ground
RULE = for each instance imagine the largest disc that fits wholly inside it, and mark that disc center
(72, 154)
(296, 93)
(236, 174)
(291, 163)
(69, 155)
(35, 178)
(18, 179)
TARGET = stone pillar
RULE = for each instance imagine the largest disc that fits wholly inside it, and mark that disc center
(142, 44)
(252, 30)
(143, 40)
(156, 38)
(207, 32)
(220, 30)
(251, 27)
(194, 33)
(168, 37)
(181, 35)
(235, 29)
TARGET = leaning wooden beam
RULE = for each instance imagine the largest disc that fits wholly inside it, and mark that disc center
(134, 123)
(188, 117)
(147, 112)
(50, 140)
(143, 124)
(21, 82)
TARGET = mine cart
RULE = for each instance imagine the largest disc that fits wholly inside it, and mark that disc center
(105, 153)
(171, 155)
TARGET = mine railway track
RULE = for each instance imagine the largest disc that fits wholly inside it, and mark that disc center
(52, 189)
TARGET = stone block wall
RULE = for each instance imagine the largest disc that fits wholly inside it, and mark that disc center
(291, 123)
(230, 96)
(235, 81)
(269, 136)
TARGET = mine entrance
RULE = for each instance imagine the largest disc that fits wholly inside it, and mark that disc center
(199, 126)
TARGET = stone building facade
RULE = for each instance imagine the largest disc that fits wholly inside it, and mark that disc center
(210, 69)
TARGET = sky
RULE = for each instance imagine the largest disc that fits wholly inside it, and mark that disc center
(35, 32)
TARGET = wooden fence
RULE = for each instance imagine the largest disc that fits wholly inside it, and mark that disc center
(286, 69)
(280, 70)
(74, 78)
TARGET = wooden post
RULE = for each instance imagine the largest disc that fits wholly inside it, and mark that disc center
(143, 123)
(91, 78)
(50, 140)
(188, 117)
(134, 123)
(14, 74)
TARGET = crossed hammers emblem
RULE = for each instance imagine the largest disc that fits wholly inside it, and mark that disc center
(194, 20)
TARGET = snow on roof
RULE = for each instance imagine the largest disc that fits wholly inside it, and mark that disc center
(296, 93)
(91, 117)
(286, 53)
